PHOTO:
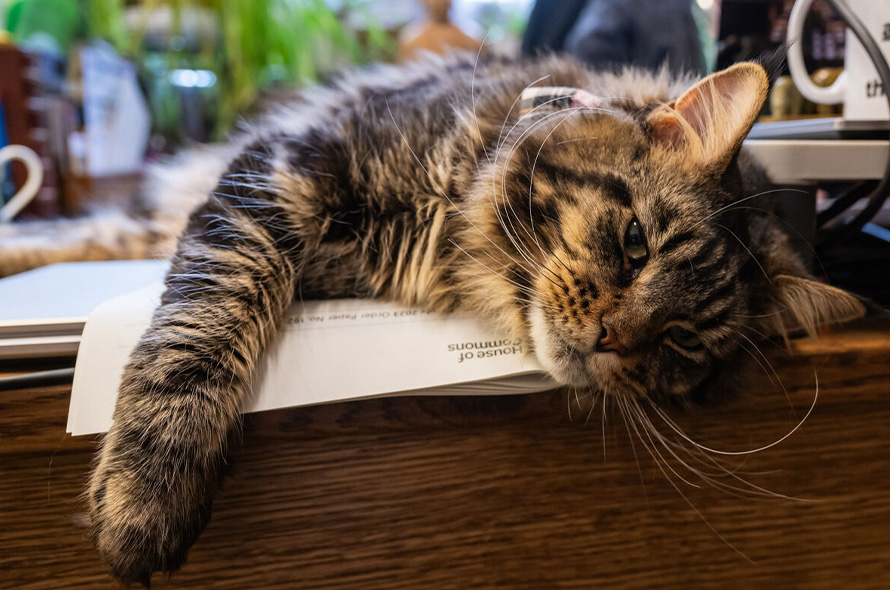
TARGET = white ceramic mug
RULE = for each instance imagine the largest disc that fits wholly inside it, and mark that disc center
(32, 184)
(859, 86)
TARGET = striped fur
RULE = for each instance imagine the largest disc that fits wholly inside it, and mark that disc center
(421, 185)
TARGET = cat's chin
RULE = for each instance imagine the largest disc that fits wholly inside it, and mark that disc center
(566, 365)
(566, 372)
(575, 369)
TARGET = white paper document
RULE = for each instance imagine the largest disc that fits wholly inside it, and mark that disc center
(327, 351)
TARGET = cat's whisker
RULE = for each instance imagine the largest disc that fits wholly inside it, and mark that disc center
(425, 209)
(522, 288)
(603, 422)
(530, 303)
(473, 101)
(763, 270)
(520, 248)
(750, 489)
(530, 193)
(577, 139)
(771, 368)
(633, 409)
(761, 315)
(524, 253)
(624, 418)
(532, 128)
(790, 226)
(543, 105)
(757, 360)
(766, 338)
(649, 431)
(524, 135)
(514, 147)
(686, 498)
(590, 410)
(502, 140)
(569, 405)
(501, 264)
(510, 110)
(441, 191)
(683, 435)
(529, 289)
(243, 174)
(743, 199)
(256, 185)
(700, 458)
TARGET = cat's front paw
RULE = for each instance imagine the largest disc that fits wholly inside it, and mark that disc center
(141, 522)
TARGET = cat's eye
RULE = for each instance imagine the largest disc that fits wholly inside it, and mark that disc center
(635, 245)
(684, 338)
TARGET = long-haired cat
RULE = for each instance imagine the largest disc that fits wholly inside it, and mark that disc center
(607, 231)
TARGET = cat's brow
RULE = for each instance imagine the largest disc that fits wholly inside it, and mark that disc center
(676, 241)
(613, 187)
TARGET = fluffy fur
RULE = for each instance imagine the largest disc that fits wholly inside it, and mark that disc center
(423, 185)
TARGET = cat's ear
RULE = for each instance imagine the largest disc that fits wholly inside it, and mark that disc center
(710, 120)
(801, 304)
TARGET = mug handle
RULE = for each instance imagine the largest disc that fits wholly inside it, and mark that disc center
(32, 185)
(833, 94)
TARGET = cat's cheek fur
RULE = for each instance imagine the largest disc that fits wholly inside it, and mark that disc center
(565, 368)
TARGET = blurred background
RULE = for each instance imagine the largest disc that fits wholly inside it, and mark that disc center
(97, 88)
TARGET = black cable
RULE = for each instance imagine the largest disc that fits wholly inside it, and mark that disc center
(843, 201)
(36, 379)
(877, 199)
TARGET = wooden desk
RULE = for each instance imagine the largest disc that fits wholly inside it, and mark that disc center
(506, 492)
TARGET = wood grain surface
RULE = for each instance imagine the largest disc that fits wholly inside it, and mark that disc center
(502, 492)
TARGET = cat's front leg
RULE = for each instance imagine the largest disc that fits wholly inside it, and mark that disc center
(230, 284)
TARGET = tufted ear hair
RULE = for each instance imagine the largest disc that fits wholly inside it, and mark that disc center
(711, 119)
(801, 304)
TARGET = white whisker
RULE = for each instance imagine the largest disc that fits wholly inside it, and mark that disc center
(473, 99)
(763, 270)
(686, 498)
(442, 192)
(743, 199)
(751, 451)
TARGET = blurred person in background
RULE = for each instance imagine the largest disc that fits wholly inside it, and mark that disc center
(608, 34)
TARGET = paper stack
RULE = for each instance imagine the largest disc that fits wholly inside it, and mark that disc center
(328, 351)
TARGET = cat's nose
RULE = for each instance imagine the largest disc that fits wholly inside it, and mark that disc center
(609, 342)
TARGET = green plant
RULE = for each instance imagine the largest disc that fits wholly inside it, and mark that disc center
(105, 19)
(258, 43)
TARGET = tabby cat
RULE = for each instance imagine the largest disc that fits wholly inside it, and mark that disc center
(621, 236)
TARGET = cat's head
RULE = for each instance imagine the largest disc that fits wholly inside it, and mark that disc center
(638, 260)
